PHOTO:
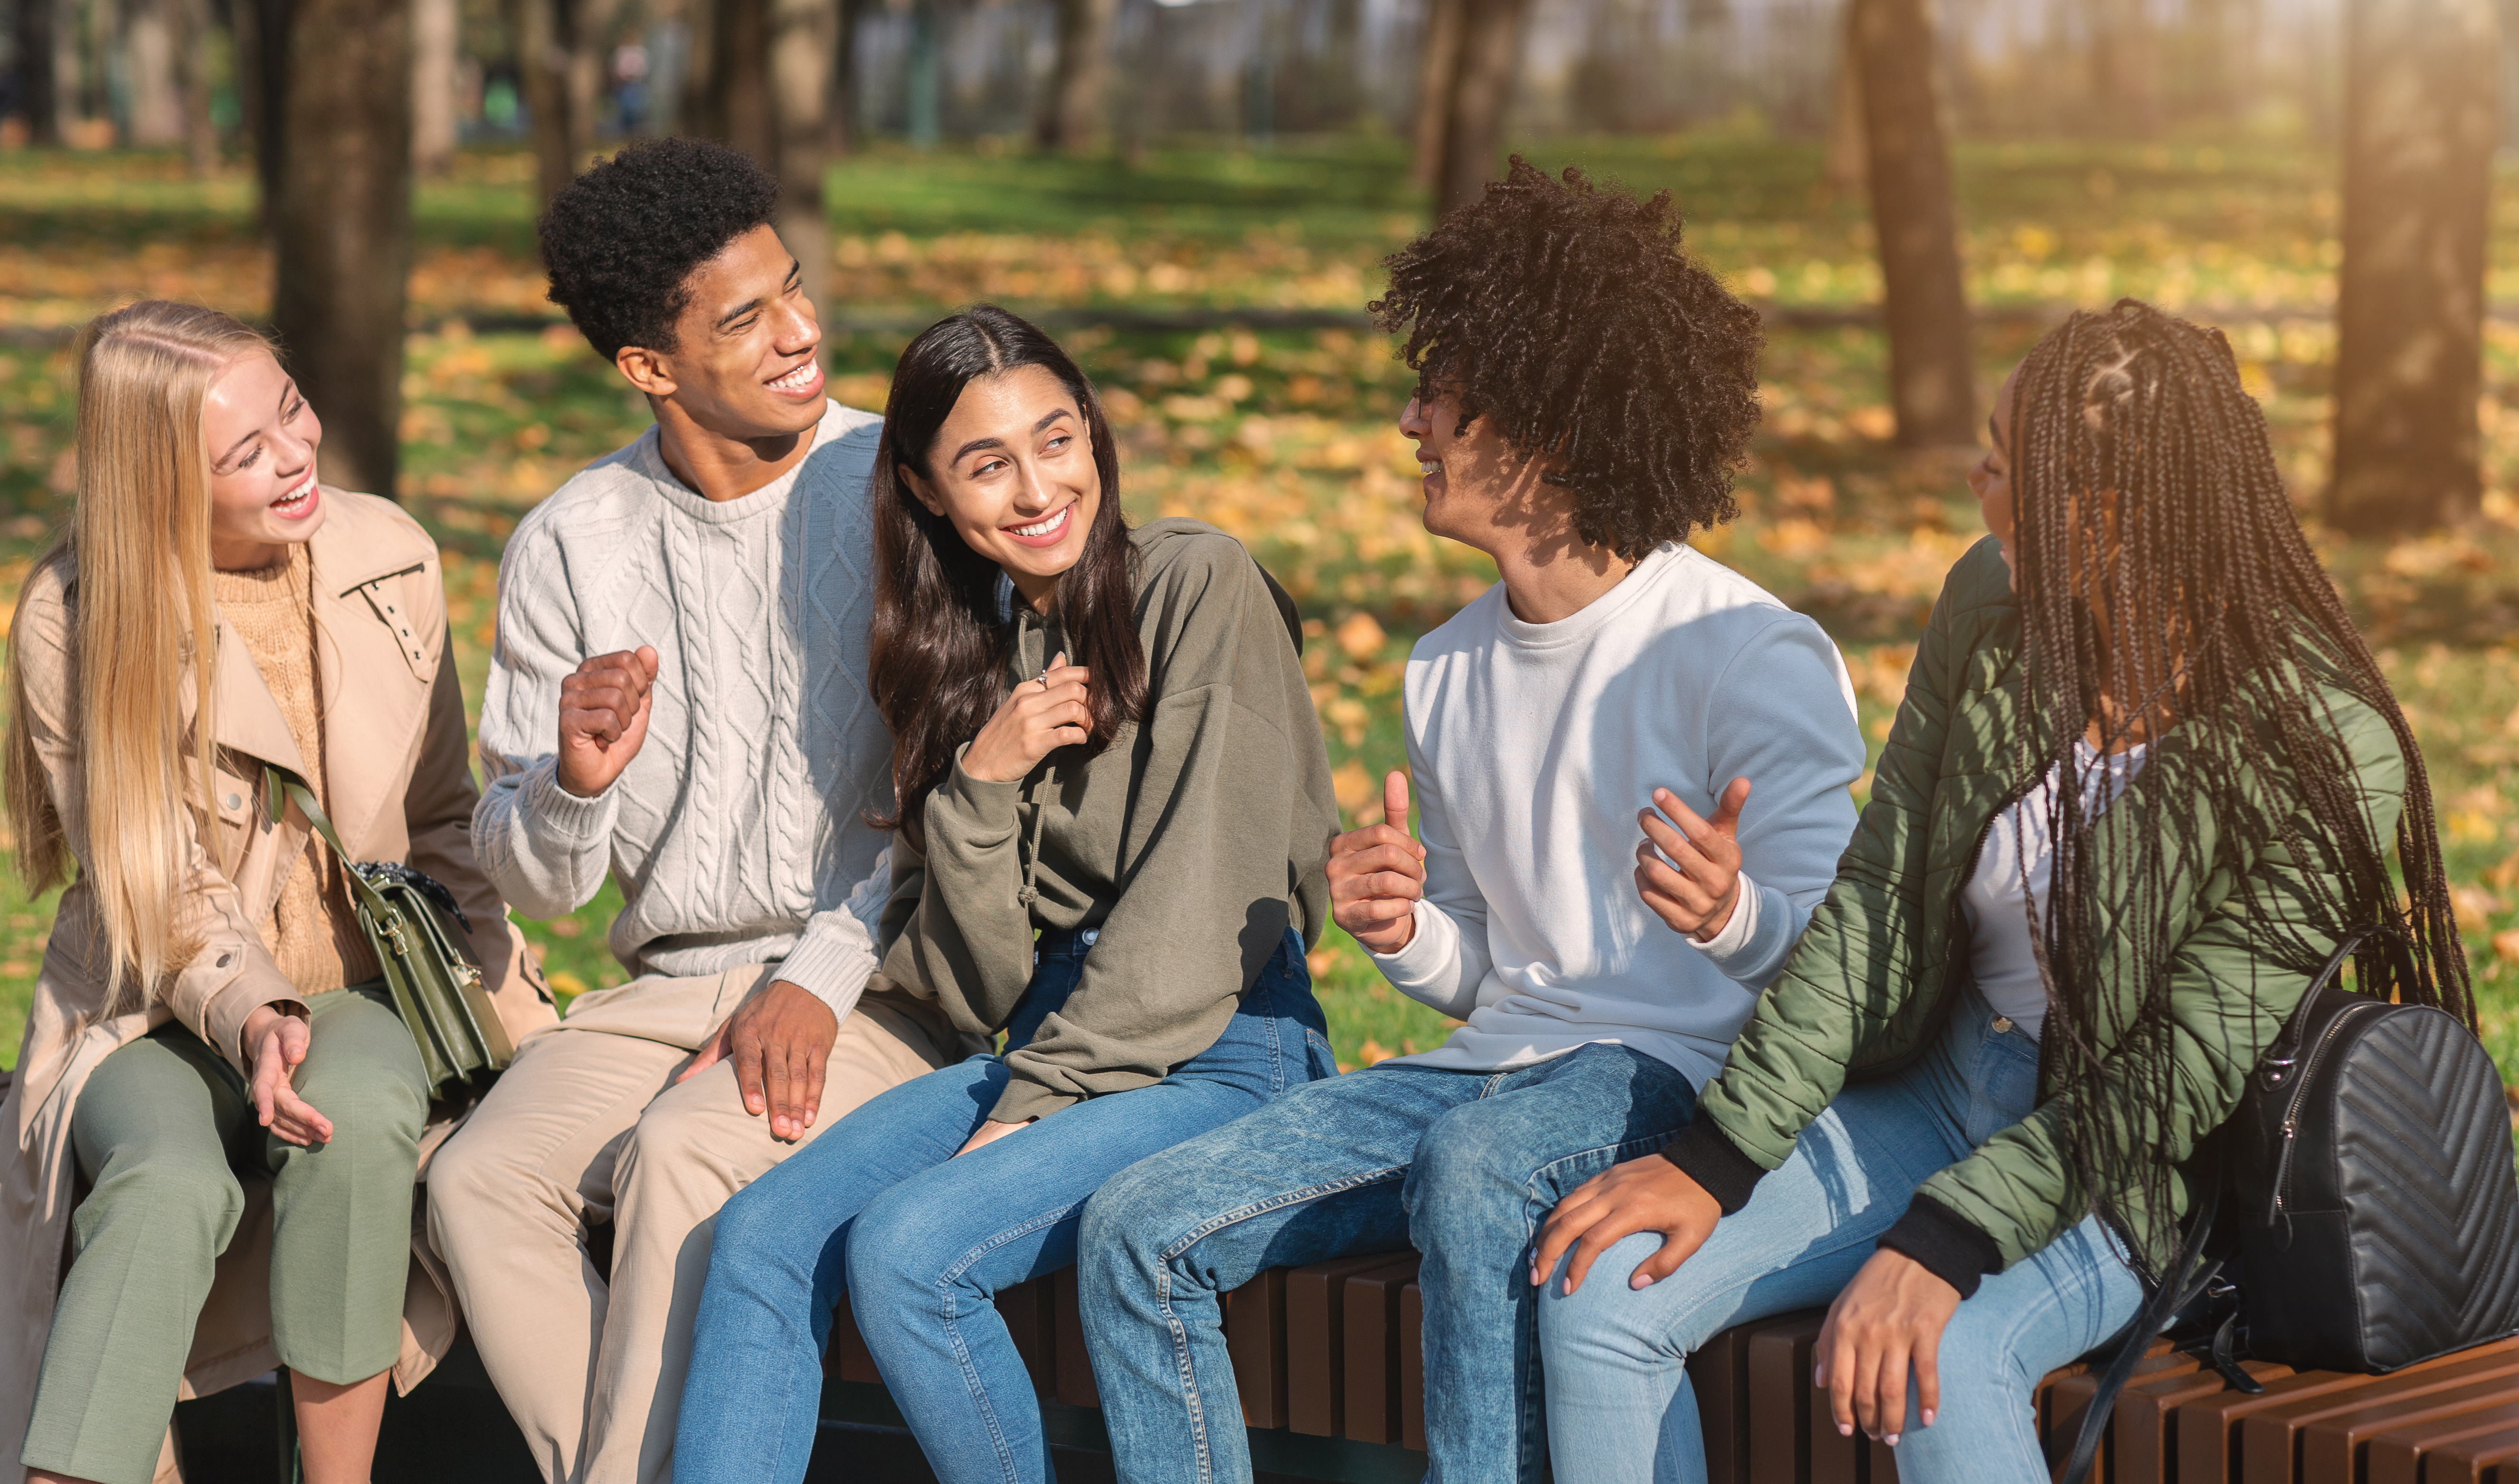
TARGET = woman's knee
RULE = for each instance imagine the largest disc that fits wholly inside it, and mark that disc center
(1605, 1319)
(164, 1199)
(899, 1249)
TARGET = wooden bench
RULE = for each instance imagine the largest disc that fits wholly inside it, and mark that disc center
(1332, 1380)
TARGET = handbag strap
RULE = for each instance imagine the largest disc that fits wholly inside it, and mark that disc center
(2177, 1291)
(283, 788)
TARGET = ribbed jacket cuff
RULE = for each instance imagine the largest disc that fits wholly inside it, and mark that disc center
(1715, 1163)
(1952, 1247)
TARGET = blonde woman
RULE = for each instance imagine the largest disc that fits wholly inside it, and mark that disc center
(217, 1119)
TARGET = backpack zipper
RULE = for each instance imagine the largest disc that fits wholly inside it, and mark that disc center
(2276, 1206)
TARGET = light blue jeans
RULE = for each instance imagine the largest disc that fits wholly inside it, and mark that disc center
(921, 1241)
(1619, 1409)
(1463, 1164)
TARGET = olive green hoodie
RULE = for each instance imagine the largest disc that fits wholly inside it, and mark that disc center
(1871, 981)
(1191, 844)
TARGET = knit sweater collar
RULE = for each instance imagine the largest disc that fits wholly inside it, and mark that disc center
(771, 497)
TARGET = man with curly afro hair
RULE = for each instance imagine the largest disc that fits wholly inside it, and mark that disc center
(677, 703)
(1592, 887)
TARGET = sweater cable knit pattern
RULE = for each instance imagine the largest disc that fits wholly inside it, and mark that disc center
(737, 833)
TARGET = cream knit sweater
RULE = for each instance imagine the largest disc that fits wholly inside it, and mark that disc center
(739, 832)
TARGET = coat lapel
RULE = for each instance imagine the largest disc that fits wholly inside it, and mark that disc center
(248, 718)
(375, 702)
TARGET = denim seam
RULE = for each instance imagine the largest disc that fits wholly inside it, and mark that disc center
(1241, 1214)
(1206, 1465)
(945, 1283)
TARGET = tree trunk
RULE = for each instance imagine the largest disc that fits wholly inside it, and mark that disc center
(38, 88)
(193, 67)
(2422, 101)
(1438, 64)
(801, 49)
(2125, 67)
(1481, 88)
(1071, 117)
(1845, 134)
(69, 74)
(587, 39)
(926, 81)
(262, 29)
(343, 226)
(740, 108)
(842, 136)
(148, 42)
(542, 63)
(436, 46)
(1932, 381)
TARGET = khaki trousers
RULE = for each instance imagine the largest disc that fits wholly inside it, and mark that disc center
(589, 1126)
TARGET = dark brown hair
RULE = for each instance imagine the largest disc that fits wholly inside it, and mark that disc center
(940, 647)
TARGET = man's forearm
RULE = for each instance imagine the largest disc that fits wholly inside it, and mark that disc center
(544, 847)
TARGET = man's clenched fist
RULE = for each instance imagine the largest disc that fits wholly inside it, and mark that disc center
(603, 717)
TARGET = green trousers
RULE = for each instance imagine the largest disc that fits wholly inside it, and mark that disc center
(161, 1130)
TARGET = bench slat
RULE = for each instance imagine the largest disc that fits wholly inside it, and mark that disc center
(2462, 1448)
(1719, 1373)
(1412, 1367)
(2331, 1449)
(1316, 1327)
(2270, 1437)
(2211, 1443)
(2142, 1431)
(1372, 1344)
(1074, 1364)
(1254, 1335)
(1031, 1315)
(1779, 1364)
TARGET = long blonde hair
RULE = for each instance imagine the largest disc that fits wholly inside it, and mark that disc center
(139, 540)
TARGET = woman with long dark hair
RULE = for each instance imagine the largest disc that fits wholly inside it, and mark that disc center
(1114, 817)
(2147, 776)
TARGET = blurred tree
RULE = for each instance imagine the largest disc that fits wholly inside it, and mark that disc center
(736, 105)
(436, 48)
(843, 132)
(338, 142)
(196, 29)
(2124, 68)
(1932, 386)
(1466, 84)
(561, 49)
(2422, 95)
(1843, 168)
(801, 52)
(1071, 116)
(150, 30)
(39, 83)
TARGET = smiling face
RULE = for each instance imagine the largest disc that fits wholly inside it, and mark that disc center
(1991, 476)
(1012, 468)
(261, 437)
(1478, 490)
(743, 360)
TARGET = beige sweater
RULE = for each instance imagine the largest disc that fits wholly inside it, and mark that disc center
(313, 931)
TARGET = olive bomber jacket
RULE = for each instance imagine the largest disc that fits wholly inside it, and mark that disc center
(1191, 844)
(1872, 982)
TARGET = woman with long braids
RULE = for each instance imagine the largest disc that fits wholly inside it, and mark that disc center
(1114, 817)
(2144, 778)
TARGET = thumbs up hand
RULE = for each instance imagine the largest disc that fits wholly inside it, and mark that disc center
(1378, 873)
(1687, 868)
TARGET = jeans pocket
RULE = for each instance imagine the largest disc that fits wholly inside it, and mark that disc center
(1320, 1059)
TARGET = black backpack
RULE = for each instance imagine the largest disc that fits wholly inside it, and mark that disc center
(2368, 1219)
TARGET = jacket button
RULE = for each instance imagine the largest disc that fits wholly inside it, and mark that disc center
(223, 959)
(236, 801)
(2003, 1025)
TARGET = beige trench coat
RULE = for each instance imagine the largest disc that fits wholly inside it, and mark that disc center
(399, 781)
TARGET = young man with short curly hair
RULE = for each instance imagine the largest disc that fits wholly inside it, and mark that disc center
(1593, 889)
(678, 701)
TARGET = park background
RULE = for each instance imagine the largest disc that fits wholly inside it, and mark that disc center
(1198, 197)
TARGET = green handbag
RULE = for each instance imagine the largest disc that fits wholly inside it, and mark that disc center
(434, 979)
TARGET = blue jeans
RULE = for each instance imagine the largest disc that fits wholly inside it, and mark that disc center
(1463, 1164)
(880, 1209)
(1619, 1409)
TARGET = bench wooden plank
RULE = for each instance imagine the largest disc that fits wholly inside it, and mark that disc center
(2462, 1448)
(1779, 1362)
(2143, 1431)
(1316, 1327)
(2211, 1447)
(1372, 1344)
(2271, 1438)
(2066, 1398)
(2332, 1450)
(1074, 1364)
(848, 1349)
(1254, 1335)
(1031, 1316)
(1719, 1373)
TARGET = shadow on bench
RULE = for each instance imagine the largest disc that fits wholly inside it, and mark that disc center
(1331, 1383)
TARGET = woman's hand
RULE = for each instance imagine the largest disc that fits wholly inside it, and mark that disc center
(1687, 869)
(276, 1041)
(990, 1133)
(1889, 1318)
(1647, 1194)
(1047, 712)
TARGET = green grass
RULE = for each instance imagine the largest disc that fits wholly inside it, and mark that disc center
(1285, 437)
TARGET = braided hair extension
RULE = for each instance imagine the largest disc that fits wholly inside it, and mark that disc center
(2169, 598)
(1569, 314)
